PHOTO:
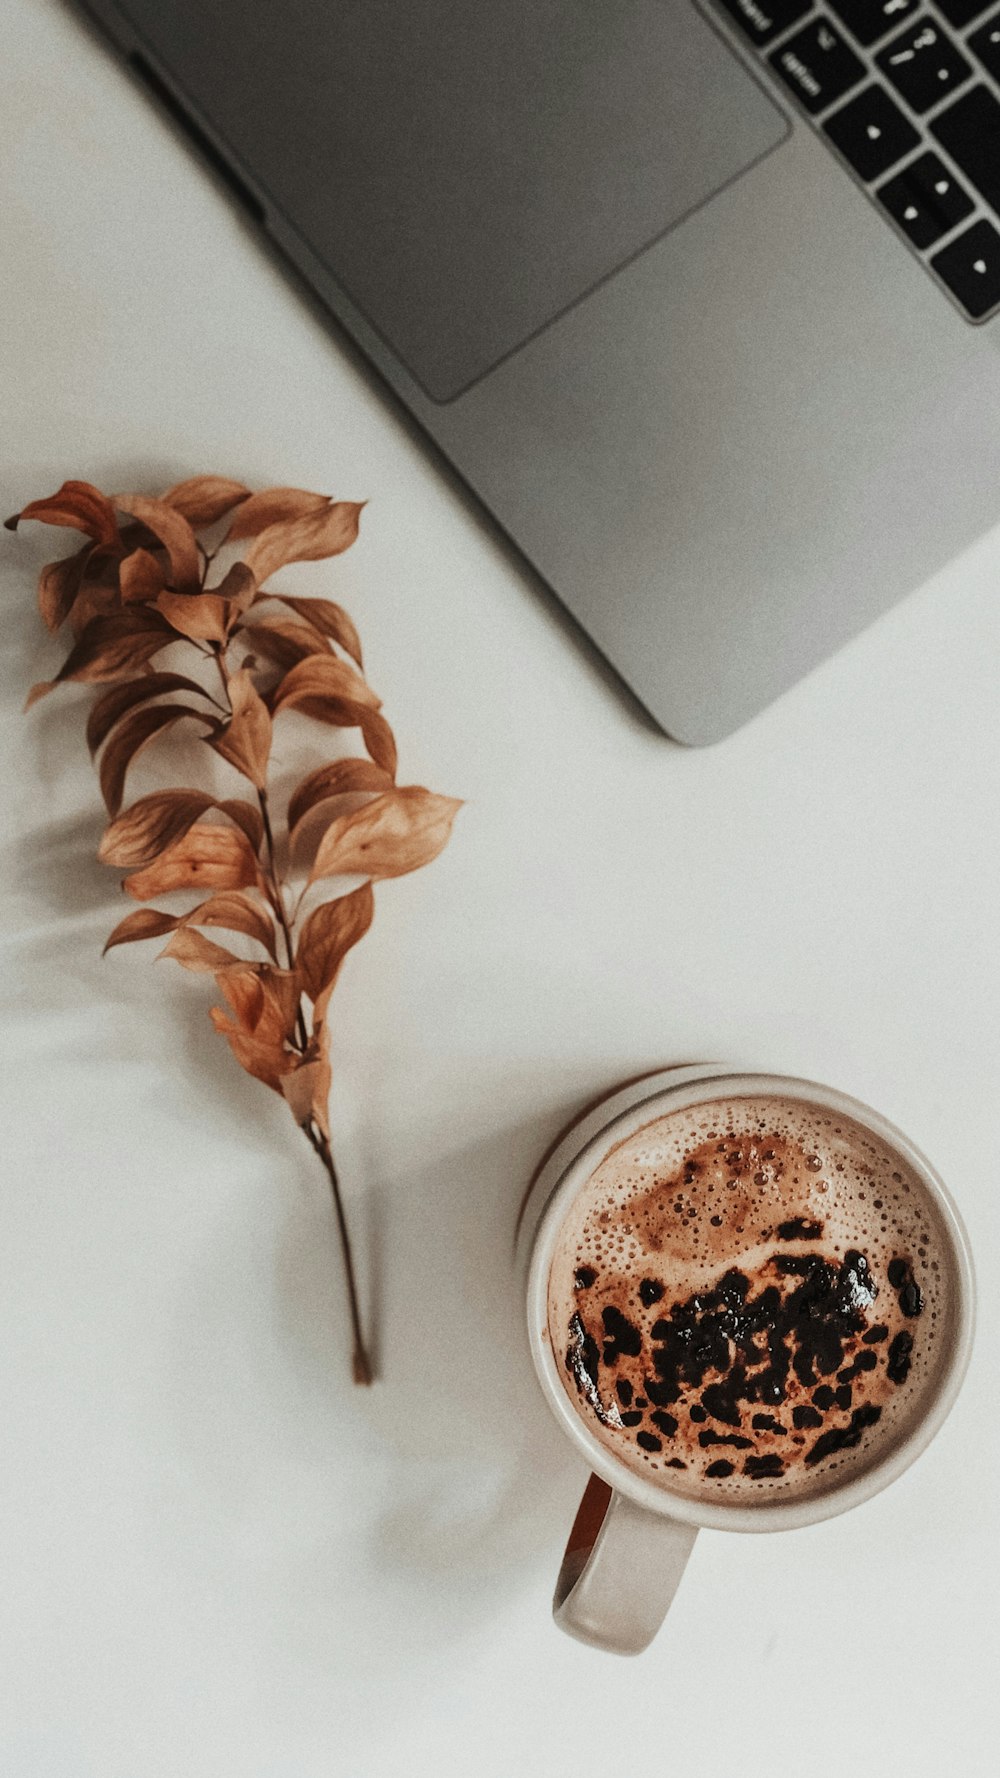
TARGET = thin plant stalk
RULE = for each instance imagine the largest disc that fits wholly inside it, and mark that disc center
(139, 584)
(360, 1362)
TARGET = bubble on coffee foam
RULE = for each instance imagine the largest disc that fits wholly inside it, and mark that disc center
(703, 1190)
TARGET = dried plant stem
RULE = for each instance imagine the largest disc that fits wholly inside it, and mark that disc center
(360, 1361)
(139, 584)
(278, 903)
(274, 879)
(276, 896)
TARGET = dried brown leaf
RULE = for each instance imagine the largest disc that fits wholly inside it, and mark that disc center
(150, 825)
(174, 533)
(322, 676)
(246, 740)
(282, 991)
(238, 587)
(204, 617)
(193, 951)
(133, 733)
(280, 1003)
(58, 585)
(345, 713)
(297, 1088)
(284, 642)
(268, 1062)
(264, 998)
(247, 817)
(330, 620)
(329, 933)
(79, 505)
(399, 831)
(204, 499)
(99, 596)
(144, 923)
(123, 696)
(272, 506)
(341, 777)
(321, 1104)
(310, 538)
(237, 912)
(208, 857)
(243, 990)
(307, 1091)
(141, 578)
(111, 646)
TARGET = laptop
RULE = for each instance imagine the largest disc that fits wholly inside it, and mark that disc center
(699, 298)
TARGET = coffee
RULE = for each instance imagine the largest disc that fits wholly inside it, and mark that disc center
(748, 1299)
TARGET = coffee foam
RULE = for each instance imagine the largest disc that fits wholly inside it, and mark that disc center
(741, 1187)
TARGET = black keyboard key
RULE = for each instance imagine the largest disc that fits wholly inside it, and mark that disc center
(970, 267)
(923, 64)
(926, 200)
(763, 19)
(817, 65)
(868, 20)
(986, 45)
(871, 132)
(970, 132)
(961, 12)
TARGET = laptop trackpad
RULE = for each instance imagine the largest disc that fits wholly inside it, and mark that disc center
(468, 171)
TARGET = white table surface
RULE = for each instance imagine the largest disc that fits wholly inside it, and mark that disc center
(218, 1559)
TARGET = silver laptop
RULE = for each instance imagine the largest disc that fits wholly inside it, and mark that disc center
(701, 301)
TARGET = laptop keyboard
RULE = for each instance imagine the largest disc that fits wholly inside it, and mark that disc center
(909, 97)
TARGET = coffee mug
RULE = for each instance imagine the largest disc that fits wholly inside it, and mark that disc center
(811, 1324)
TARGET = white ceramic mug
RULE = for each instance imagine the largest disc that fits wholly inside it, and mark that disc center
(632, 1537)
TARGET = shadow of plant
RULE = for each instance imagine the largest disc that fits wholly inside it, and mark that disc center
(469, 1476)
(468, 1486)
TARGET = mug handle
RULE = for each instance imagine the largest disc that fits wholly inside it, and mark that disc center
(621, 1569)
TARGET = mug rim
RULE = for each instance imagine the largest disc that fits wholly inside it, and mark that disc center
(690, 1086)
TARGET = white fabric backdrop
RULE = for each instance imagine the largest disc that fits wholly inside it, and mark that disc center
(218, 1559)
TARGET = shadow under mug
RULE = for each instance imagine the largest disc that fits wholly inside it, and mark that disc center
(631, 1537)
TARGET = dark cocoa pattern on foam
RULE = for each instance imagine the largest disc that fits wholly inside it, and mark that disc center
(773, 1367)
(898, 1367)
(910, 1297)
(755, 1344)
